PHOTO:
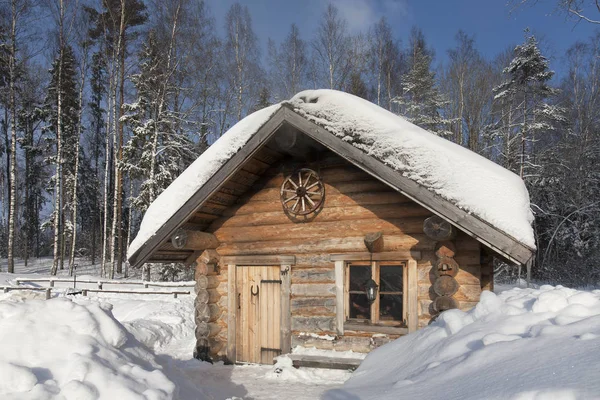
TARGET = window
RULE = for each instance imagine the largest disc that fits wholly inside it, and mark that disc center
(389, 306)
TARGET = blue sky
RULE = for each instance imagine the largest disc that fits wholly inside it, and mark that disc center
(491, 21)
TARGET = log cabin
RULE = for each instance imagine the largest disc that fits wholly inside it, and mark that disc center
(329, 222)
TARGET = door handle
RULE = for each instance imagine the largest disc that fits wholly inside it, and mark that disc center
(252, 290)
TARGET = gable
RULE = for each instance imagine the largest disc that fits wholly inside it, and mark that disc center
(209, 184)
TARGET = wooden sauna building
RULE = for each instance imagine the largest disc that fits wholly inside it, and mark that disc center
(320, 222)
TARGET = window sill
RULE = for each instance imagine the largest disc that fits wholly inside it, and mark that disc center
(362, 327)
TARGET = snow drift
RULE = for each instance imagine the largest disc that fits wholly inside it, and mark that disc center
(523, 344)
(68, 350)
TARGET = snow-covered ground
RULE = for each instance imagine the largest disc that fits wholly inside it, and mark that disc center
(521, 344)
(140, 345)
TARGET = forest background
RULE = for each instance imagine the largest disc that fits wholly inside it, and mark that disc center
(103, 103)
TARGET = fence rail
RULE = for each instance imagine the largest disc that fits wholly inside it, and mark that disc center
(100, 289)
(101, 282)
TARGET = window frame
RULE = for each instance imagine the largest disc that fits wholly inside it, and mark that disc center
(410, 286)
(375, 306)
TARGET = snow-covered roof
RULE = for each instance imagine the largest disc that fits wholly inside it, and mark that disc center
(463, 178)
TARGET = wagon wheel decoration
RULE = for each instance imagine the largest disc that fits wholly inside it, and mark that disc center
(302, 192)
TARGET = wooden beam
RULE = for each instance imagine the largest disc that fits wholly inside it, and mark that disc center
(412, 296)
(195, 202)
(231, 311)
(472, 225)
(194, 240)
(386, 256)
(286, 311)
(339, 296)
(390, 330)
(260, 260)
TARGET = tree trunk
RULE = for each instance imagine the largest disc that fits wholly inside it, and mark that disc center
(75, 178)
(13, 144)
(57, 218)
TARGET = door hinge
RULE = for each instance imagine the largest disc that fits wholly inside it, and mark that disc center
(271, 281)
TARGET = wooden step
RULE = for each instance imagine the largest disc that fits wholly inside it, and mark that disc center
(309, 361)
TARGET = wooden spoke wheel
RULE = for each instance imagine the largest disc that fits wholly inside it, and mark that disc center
(302, 192)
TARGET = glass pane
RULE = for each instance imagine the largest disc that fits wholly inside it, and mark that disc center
(390, 278)
(390, 307)
(359, 306)
(359, 276)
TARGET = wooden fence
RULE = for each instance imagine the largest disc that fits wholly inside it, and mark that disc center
(100, 284)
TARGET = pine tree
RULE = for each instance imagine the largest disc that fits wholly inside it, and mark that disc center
(156, 152)
(420, 101)
(527, 82)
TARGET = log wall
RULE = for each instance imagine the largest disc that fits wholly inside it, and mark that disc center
(355, 204)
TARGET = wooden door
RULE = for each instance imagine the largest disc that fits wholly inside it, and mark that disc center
(258, 314)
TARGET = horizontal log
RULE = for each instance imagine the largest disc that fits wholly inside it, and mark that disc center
(213, 296)
(382, 256)
(410, 225)
(206, 329)
(202, 296)
(331, 200)
(331, 176)
(206, 282)
(468, 293)
(327, 214)
(333, 245)
(207, 312)
(259, 260)
(358, 327)
(314, 289)
(215, 345)
(346, 188)
(193, 240)
(313, 324)
(312, 306)
(313, 275)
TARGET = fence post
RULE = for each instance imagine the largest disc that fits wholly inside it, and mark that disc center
(48, 293)
(52, 283)
(84, 292)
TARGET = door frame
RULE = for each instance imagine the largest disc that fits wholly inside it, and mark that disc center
(285, 263)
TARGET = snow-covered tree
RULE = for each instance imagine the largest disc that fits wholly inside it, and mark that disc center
(526, 82)
(156, 153)
(289, 65)
(61, 108)
(420, 101)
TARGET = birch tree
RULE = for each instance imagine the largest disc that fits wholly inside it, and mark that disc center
(289, 65)
(331, 51)
(241, 58)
